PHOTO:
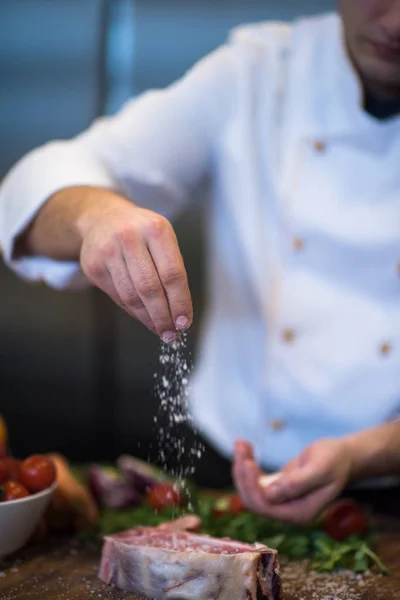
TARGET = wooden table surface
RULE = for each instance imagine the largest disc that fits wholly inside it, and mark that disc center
(67, 570)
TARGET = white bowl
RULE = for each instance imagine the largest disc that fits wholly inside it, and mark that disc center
(19, 519)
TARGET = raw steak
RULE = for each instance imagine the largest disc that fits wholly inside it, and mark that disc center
(171, 564)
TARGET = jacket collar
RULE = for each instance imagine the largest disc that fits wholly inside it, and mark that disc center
(332, 101)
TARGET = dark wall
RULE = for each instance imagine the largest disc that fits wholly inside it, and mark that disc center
(49, 72)
(76, 374)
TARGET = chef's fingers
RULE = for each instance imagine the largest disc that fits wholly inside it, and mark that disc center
(297, 483)
(249, 480)
(268, 482)
(124, 292)
(98, 274)
(303, 510)
(109, 278)
(147, 288)
(164, 249)
(246, 474)
(251, 477)
(240, 485)
(291, 465)
(239, 474)
(243, 450)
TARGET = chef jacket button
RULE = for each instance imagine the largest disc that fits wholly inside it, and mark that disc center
(298, 243)
(288, 336)
(385, 349)
(319, 146)
(277, 425)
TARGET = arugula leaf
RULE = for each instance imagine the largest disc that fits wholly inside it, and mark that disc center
(353, 553)
(297, 547)
(375, 559)
(276, 541)
(360, 562)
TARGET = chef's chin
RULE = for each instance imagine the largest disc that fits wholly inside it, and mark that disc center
(379, 69)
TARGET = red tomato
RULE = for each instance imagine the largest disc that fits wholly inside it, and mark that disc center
(14, 490)
(3, 470)
(14, 466)
(343, 519)
(162, 496)
(37, 473)
(230, 504)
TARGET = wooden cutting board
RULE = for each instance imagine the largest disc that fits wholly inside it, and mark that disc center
(67, 570)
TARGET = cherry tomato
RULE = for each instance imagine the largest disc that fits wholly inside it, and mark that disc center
(3, 470)
(14, 490)
(13, 466)
(162, 496)
(230, 504)
(343, 519)
(37, 473)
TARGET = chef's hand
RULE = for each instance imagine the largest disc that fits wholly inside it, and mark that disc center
(304, 486)
(132, 254)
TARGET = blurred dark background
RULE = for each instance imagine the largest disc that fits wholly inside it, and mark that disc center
(76, 374)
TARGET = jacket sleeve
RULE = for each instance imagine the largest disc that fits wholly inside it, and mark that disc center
(153, 151)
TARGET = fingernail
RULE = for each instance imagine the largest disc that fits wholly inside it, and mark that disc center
(266, 480)
(182, 322)
(168, 336)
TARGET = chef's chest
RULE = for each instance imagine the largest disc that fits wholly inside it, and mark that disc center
(317, 221)
(321, 202)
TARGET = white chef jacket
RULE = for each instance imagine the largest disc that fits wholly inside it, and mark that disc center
(302, 334)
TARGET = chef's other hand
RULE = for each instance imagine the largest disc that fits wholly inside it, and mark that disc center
(304, 486)
(132, 254)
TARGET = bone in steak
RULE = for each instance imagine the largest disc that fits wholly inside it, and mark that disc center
(177, 565)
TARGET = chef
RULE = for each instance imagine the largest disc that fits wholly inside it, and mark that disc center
(297, 128)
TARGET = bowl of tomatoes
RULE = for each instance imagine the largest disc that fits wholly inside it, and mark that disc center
(26, 488)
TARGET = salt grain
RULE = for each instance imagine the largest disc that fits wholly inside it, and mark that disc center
(172, 390)
(304, 584)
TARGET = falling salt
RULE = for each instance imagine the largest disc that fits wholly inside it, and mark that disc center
(172, 388)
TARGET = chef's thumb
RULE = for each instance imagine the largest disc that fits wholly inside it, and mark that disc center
(293, 485)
